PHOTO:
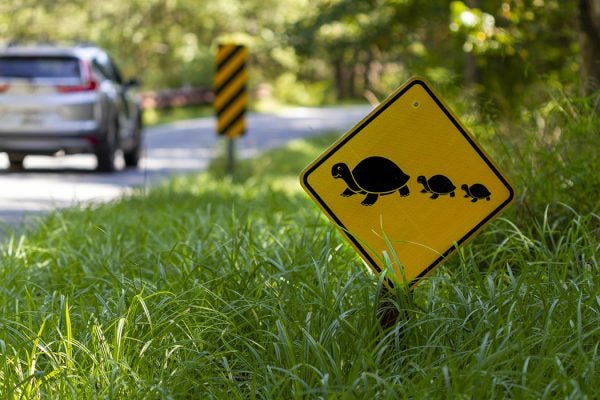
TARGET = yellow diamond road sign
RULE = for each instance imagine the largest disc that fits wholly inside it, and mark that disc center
(407, 184)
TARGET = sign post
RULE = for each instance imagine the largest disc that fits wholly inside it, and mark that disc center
(231, 97)
(408, 184)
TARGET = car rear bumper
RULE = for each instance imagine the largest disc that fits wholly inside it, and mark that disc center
(82, 141)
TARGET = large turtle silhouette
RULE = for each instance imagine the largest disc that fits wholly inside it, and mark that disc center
(373, 176)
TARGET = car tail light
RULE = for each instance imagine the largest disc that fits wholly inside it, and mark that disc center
(3, 87)
(86, 87)
(91, 139)
(89, 83)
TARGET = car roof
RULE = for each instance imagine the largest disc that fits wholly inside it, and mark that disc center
(82, 51)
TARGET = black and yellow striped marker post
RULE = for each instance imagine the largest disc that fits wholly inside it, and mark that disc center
(231, 97)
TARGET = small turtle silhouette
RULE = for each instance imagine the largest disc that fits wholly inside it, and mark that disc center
(373, 176)
(476, 191)
(437, 185)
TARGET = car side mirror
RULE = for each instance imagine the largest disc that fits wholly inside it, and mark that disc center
(133, 83)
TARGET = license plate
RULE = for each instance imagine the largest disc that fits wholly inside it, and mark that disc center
(32, 118)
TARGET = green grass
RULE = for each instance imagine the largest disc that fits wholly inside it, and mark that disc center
(155, 116)
(217, 286)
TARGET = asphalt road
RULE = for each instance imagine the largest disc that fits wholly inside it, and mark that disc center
(49, 183)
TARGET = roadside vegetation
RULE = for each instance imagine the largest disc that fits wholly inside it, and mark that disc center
(156, 116)
(219, 286)
(235, 286)
(314, 52)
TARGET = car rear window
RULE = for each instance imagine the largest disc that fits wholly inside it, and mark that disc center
(39, 67)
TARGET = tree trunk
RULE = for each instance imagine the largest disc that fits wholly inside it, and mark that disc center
(338, 71)
(344, 78)
(351, 90)
(589, 25)
(471, 71)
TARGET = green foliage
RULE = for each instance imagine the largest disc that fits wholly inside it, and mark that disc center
(518, 48)
(167, 43)
(554, 156)
(167, 115)
(289, 90)
(478, 28)
(312, 52)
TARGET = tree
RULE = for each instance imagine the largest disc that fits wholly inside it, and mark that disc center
(360, 40)
(521, 47)
(503, 50)
(589, 25)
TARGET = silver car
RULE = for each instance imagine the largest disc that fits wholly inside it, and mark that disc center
(67, 99)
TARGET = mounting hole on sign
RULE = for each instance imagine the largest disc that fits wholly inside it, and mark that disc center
(416, 104)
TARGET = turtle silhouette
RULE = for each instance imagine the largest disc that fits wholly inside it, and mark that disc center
(437, 185)
(476, 192)
(373, 176)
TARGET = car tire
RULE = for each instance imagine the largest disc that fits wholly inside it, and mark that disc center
(16, 161)
(132, 156)
(107, 147)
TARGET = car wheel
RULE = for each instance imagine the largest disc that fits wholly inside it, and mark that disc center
(16, 161)
(132, 156)
(106, 149)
